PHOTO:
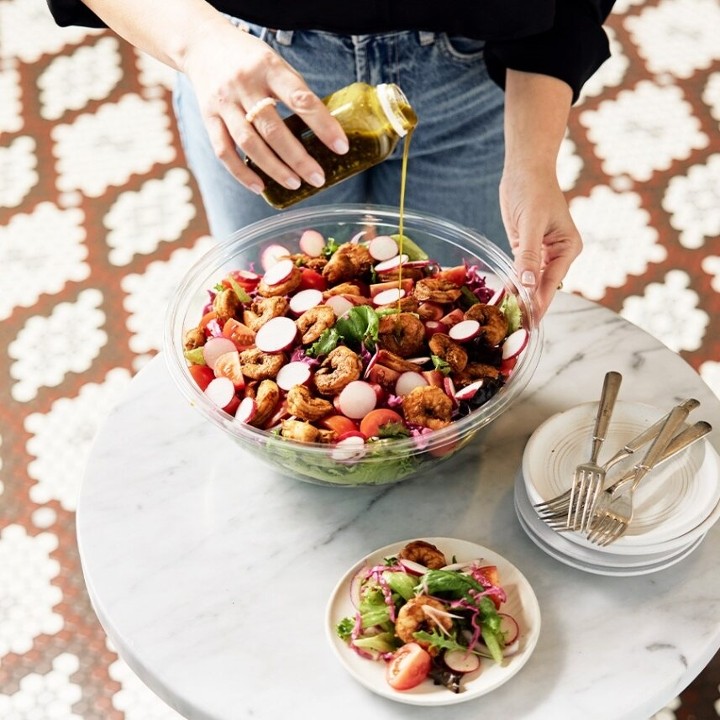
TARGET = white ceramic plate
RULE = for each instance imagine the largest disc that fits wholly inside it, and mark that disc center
(589, 558)
(669, 561)
(676, 498)
(521, 604)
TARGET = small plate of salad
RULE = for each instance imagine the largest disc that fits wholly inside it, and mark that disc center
(433, 621)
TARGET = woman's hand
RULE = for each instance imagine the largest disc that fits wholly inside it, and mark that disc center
(231, 72)
(542, 235)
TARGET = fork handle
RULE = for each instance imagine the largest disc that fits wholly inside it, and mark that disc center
(608, 396)
(681, 441)
(632, 446)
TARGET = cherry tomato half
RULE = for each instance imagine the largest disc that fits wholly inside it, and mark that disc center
(202, 375)
(408, 667)
(310, 279)
(339, 423)
(370, 425)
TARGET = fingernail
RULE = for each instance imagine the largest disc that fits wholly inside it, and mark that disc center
(341, 146)
(527, 277)
(257, 189)
(292, 183)
(317, 179)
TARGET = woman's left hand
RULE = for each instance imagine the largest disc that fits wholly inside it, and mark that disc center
(542, 235)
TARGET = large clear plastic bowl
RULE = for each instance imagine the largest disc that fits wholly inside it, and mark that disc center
(388, 461)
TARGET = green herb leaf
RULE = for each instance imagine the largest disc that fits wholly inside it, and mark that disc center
(195, 356)
(437, 640)
(325, 343)
(358, 326)
(344, 628)
(243, 297)
(393, 430)
(441, 365)
(330, 247)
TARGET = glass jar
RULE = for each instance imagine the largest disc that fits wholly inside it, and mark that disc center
(374, 118)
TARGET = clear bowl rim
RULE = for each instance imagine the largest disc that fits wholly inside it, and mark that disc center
(214, 258)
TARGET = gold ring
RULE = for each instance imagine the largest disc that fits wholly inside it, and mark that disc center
(258, 107)
(560, 286)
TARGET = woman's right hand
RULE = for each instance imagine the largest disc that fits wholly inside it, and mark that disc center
(231, 71)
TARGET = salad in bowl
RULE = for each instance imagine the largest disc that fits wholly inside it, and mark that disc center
(346, 352)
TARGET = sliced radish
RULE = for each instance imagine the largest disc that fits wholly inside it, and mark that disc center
(246, 410)
(461, 661)
(350, 433)
(280, 413)
(449, 388)
(382, 248)
(349, 448)
(453, 317)
(429, 310)
(371, 364)
(465, 330)
(392, 263)
(312, 243)
(214, 347)
(339, 304)
(514, 343)
(469, 391)
(409, 380)
(509, 626)
(271, 254)
(497, 297)
(221, 391)
(246, 276)
(386, 297)
(305, 300)
(292, 374)
(357, 399)
(279, 272)
(276, 334)
(434, 377)
(357, 237)
(406, 284)
(419, 360)
(434, 326)
(414, 568)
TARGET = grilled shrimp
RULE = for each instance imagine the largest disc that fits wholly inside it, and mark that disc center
(402, 334)
(314, 263)
(313, 323)
(347, 263)
(428, 406)
(259, 365)
(407, 304)
(475, 371)
(493, 323)
(421, 612)
(395, 362)
(194, 338)
(226, 304)
(339, 369)
(299, 430)
(448, 350)
(264, 309)
(283, 288)
(267, 397)
(437, 290)
(346, 288)
(303, 405)
(423, 552)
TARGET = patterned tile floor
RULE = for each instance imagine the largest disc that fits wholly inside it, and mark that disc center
(99, 218)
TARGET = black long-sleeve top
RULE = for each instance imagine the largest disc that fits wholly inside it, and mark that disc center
(561, 38)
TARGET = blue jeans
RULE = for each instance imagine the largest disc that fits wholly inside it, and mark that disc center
(456, 152)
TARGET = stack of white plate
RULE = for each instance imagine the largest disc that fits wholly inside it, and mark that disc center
(675, 505)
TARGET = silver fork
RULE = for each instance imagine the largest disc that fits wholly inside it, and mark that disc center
(557, 508)
(589, 476)
(681, 441)
(614, 519)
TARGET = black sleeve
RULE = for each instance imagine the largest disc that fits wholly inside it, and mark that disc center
(572, 50)
(74, 12)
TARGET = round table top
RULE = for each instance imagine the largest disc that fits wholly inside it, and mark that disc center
(211, 573)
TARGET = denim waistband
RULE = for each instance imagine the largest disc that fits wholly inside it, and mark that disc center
(285, 37)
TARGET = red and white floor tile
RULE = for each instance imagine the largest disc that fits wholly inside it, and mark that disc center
(99, 218)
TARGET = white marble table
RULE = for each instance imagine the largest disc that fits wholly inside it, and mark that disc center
(199, 560)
